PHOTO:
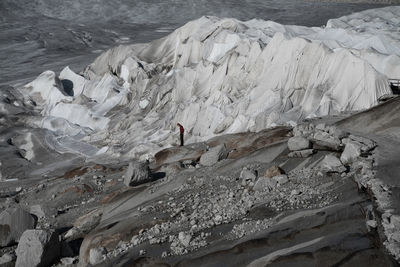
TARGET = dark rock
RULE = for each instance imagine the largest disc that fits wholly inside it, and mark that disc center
(273, 171)
(38, 248)
(298, 143)
(13, 222)
(137, 173)
(214, 155)
(7, 260)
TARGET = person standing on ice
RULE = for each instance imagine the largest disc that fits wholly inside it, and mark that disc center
(181, 131)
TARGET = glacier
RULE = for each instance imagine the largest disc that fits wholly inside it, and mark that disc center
(217, 76)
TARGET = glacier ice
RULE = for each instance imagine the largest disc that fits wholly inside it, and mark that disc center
(218, 76)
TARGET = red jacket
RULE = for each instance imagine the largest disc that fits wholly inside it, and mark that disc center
(181, 129)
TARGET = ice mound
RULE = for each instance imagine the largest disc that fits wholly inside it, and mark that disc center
(219, 76)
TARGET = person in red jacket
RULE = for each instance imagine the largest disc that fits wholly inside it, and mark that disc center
(181, 130)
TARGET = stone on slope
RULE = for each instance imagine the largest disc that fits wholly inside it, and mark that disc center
(137, 173)
(273, 171)
(324, 139)
(336, 132)
(13, 222)
(68, 260)
(365, 143)
(7, 260)
(298, 143)
(332, 164)
(281, 179)
(97, 255)
(184, 238)
(84, 224)
(351, 152)
(38, 248)
(265, 184)
(301, 153)
(213, 155)
(247, 174)
(38, 211)
(304, 130)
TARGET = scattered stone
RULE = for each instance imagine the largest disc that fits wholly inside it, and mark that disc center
(38, 248)
(214, 155)
(265, 184)
(137, 173)
(325, 140)
(13, 222)
(298, 143)
(332, 164)
(320, 126)
(84, 224)
(336, 132)
(301, 153)
(372, 224)
(7, 260)
(184, 238)
(281, 179)
(273, 171)
(41, 186)
(97, 255)
(366, 144)
(305, 130)
(295, 192)
(68, 260)
(247, 174)
(38, 211)
(351, 152)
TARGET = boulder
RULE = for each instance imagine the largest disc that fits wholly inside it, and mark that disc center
(321, 127)
(265, 184)
(301, 153)
(336, 132)
(325, 140)
(184, 238)
(38, 211)
(213, 155)
(372, 224)
(68, 260)
(304, 130)
(247, 174)
(84, 224)
(365, 143)
(273, 171)
(352, 151)
(332, 164)
(137, 173)
(281, 179)
(7, 260)
(298, 143)
(38, 248)
(97, 255)
(13, 222)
